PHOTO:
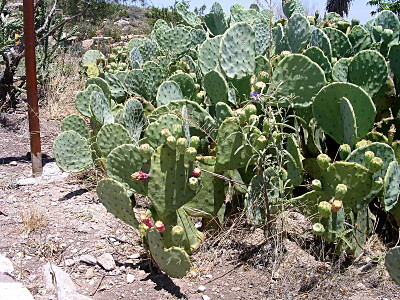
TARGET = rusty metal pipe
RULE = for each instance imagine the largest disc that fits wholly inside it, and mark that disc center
(31, 87)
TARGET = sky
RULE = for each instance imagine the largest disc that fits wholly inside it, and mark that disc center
(359, 8)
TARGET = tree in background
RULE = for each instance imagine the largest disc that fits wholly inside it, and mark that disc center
(338, 6)
(393, 5)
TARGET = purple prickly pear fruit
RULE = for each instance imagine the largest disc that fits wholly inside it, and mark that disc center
(193, 183)
(140, 176)
(336, 205)
(181, 145)
(196, 172)
(340, 191)
(171, 142)
(146, 150)
(160, 226)
(195, 141)
(318, 229)
(316, 185)
(323, 161)
(325, 209)
(145, 219)
(191, 153)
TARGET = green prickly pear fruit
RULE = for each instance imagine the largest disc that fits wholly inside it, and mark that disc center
(193, 75)
(368, 156)
(259, 87)
(376, 164)
(316, 185)
(181, 145)
(377, 184)
(362, 143)
(355, 22)
(197, 88)
(316, 15)
(318, 229)
(193, 183)
(249, 110)
(323, 161)
(253, 120)
(191, 153)
(200, 97)
(263, 76)
(336, 205)
(344, 151)
(311, 19)
(324, 209)
(171, 142)
(177, 130)
(387, 35)
(267, 125)
(377, 33)
(340, 191)
(165, 133)
(146, 150)
(177, 234)
(261, 143)
(240, 113)
(195, 141)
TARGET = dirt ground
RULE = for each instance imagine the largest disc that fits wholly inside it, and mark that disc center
(60, 221)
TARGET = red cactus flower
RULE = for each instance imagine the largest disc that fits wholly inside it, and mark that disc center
(160, 226)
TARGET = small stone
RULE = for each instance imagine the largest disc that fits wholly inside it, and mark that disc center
(209, 276)
(134, 256)
(69, 262)
(205, 297)
(88, 259)
(236, 289)
(130, 278)
(13, 163)
(201, 288)
(106, 261)
(360, 286)
(53, 203)
(89, 273)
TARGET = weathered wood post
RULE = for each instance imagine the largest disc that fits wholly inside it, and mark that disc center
(31, 87)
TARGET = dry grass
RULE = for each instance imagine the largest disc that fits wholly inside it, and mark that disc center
(32, 219)
(63, 84)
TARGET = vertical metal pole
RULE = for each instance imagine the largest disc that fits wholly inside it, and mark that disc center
(31, 87)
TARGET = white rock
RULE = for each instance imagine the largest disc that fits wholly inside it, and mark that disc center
(134, 256)
(6, 265)
(201, 288)
(205, 297)
(106, 261)
(89, 273)
(13, 163)
(69, 262)
(88, 259)
(56, 278)
(14, 291)
(130, 278)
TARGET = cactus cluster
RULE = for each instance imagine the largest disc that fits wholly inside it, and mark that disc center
(247, 105)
